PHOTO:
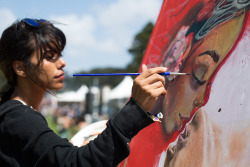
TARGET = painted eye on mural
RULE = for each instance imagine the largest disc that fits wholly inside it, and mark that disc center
(203, 63)
(198, 76)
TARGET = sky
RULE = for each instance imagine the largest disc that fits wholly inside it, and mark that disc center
(99, 32)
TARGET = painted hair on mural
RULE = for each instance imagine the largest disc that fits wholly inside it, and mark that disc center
(208, 15)
(224, 10)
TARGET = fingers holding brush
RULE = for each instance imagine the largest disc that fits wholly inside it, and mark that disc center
(148, 87)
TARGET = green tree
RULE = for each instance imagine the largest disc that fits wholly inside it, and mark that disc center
(138, 47)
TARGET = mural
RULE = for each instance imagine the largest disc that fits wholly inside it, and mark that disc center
(207, 114)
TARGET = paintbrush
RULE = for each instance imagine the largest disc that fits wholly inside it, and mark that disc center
(129, 74)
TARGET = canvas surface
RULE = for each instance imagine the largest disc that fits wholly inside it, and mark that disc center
(207, 114)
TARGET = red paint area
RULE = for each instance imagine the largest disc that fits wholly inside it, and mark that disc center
(148, 144)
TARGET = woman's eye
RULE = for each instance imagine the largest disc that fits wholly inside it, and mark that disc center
(49, 57)
(198, 75)
(202, 69)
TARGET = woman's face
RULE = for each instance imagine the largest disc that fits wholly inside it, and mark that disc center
(51, 73)
(185, 93)
(179, 155)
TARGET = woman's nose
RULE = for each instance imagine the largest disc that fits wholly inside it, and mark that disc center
(61, 63)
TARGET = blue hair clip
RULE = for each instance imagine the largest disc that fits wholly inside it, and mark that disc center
(33, 22)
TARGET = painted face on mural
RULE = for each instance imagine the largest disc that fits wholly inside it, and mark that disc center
(197, 37)
(185, 93)
(179, 154)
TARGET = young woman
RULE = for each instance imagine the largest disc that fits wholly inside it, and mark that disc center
(30, 59)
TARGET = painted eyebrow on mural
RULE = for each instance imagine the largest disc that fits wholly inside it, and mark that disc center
(212, 53)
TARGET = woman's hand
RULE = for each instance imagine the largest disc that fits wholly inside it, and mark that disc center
(148, 86)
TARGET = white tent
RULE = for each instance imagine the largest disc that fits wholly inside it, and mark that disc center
(123, 89)
(73, 96)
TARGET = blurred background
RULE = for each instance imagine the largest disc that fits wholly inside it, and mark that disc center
(102, 37)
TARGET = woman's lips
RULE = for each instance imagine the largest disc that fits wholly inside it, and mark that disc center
(179, 144)
(183, 135)
(61, 76)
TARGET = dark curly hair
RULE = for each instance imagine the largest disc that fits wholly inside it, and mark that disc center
(19, 41)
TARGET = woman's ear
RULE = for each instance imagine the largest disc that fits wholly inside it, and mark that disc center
(19, 68)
